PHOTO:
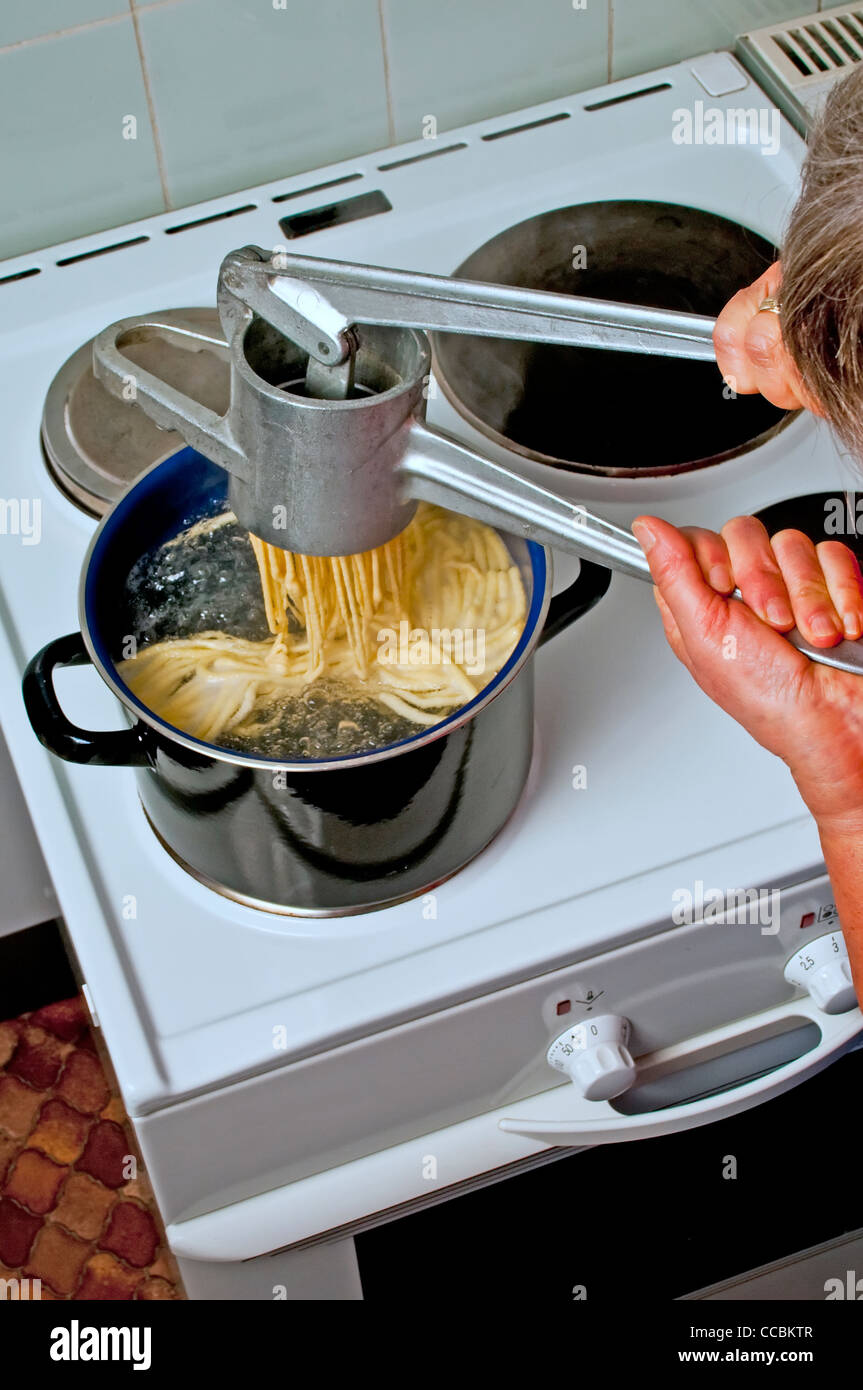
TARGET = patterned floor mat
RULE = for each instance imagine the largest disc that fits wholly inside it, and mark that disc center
(76, 1210)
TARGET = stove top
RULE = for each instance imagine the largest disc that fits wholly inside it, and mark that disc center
(188, 986)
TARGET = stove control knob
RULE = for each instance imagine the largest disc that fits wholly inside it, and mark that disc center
(822, 967)
(595, 1057)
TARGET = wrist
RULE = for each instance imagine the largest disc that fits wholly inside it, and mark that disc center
(834, 802)
(845, 827)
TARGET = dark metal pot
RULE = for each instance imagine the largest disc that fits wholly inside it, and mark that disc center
(319, 837)
(562, 405)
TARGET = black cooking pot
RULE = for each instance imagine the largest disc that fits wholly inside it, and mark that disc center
(317, 837)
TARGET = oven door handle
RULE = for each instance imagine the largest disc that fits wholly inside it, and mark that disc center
(562, 1117)
(386, 1183)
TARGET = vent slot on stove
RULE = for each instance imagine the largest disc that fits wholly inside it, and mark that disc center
(824, 46)
(418, 158)
(816, 46)
(811, 57)
(628, 96)
(316, 188)
(799, 61)
(102, 250)
(528, 125)
(19, 275)
(847, 30)
(214, 217)
(335, 214)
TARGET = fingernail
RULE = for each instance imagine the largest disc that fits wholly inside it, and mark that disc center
(720, 578)
(852, 626)
(644, 536)
(823, 625)
(779, 612)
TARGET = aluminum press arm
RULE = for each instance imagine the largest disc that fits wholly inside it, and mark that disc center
(316, 303)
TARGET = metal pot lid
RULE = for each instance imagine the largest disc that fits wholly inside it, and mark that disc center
(96, 446)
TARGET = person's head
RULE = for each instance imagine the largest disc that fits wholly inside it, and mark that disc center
(822, 265)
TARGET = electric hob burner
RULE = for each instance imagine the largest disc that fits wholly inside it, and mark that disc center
(93, 444)
(822, 516)
(588, 410)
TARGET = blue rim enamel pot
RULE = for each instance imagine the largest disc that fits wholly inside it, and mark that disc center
(318, 837)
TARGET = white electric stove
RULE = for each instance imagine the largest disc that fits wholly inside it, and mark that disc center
(292, 1081)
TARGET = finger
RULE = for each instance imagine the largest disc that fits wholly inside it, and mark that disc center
(774, 372)
(698, 611)
(757, 571)
(711, 553)
(729, 341)
(844, 583)
(814, 614)
(731, 654)
(729, 334)
(750, 351)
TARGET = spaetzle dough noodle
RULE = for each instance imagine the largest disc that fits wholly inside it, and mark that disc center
(369, 619)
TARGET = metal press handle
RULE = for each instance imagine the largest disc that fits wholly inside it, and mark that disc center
(437, 469)
(316, 302)
(169, 408)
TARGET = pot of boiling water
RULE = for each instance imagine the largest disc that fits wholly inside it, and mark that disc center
(290, 827)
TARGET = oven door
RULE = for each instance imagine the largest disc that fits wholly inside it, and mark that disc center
(309, 1224)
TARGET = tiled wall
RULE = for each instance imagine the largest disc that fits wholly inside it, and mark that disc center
(117, 109)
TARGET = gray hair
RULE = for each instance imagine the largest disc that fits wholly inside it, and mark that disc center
(822, 265)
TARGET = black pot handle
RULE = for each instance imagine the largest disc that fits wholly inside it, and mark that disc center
(120, 748)
(583, 593)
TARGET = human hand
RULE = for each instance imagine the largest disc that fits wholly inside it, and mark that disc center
(749, 349)
(808, 714)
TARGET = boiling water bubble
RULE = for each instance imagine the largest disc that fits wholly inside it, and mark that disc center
(206, 581)
(329, 719)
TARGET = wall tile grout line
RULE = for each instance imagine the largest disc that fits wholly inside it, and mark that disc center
(64, 33)
(151, 109)
(143, 5)
(385, 52)
(610, 40)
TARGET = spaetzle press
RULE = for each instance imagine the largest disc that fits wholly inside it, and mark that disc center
(325, 440)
